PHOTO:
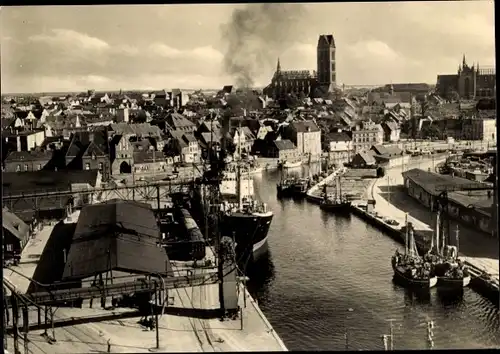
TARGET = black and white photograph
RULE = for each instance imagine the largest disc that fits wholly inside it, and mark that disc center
(238, 177)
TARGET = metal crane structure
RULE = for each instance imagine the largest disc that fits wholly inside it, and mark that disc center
(215, 155)
(442, 201)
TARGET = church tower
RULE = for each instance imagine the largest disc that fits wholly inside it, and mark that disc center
(326, 73)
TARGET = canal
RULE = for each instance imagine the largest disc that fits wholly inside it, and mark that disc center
(328, 275)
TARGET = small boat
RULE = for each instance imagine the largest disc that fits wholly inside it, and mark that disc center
(284, 188)
(338, 206)
(299, 187)
(334, 204)
(291, 164)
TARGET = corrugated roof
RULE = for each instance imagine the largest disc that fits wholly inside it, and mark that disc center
(115, 235)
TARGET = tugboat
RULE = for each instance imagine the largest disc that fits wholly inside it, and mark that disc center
(450, 270)
(338, 204)
(284, 186)
(409, 268)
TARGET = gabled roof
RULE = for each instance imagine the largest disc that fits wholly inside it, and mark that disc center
(284, 144)
(386, 150)
(178, 121)
(93, 149)
(367, 158)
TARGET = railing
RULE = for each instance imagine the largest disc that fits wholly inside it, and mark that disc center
(138, 286)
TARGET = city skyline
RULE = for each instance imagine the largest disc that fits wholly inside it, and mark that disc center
(72, 48)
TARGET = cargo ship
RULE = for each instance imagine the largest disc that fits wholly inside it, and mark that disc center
(245, 219)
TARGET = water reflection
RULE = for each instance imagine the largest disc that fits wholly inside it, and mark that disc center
(261, 275)
(414, 296)
(450, 297)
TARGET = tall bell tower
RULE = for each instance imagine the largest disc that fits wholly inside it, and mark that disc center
(326, 73)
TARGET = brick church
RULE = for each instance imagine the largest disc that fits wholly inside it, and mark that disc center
(470, 82)
(318, 82)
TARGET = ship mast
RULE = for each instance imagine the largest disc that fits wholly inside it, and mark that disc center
(238, 170)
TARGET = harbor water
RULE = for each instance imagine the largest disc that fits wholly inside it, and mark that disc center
(327, 276)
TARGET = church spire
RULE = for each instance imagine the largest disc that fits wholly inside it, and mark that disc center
(464, 63)
(278, 66)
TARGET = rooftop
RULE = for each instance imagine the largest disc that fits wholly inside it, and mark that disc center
(115, 235)
(430, 180)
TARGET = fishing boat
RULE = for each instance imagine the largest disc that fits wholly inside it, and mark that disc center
(449, 269)
(336, 203)
(409, 268)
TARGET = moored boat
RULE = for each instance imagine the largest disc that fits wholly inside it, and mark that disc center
(284, 187)
(299, 187)
(450, 270)
(336, 203)
(409, 268)
(291, 164)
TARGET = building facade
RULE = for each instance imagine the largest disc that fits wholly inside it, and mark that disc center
(363, 138)
(479, 129)
(304, 82)
(470, 82)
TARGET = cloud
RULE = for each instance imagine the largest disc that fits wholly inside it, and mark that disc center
(62, 53)
(206, 52)
(65, 37)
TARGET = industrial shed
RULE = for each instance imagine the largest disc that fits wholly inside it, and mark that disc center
(118, 236)
(468, 207)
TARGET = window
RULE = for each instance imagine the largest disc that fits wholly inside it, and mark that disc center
(93, 157)
(100, 165)
(39, 166)
(18, 168)
(26, 167)
(87, 166)
(10, 247)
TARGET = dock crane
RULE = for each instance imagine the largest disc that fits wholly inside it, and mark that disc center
(442, 201)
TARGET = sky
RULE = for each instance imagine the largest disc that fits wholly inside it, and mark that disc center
(71, 48)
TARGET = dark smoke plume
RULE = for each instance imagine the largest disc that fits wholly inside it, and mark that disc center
(256, 35)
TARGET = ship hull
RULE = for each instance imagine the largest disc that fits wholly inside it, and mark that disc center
(341, 208)
(400, 277)
(454, 282)
(250, 232)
